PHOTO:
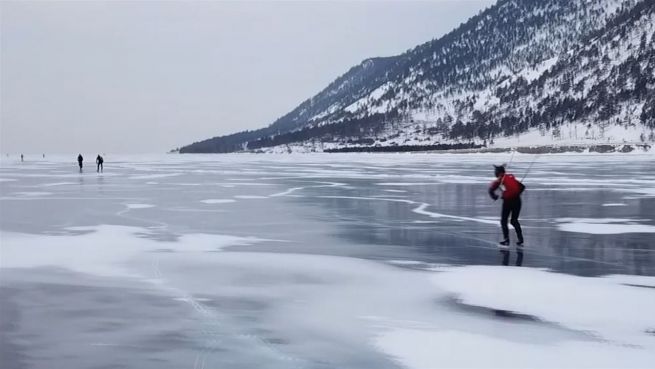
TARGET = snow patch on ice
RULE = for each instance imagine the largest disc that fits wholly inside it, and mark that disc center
(139, 206)
(613, 311)
(604, 225)
(597, 220)
(429, 349)
(32, 193)
(217, 201)
(102, 250)
(405, 262)
(635, 280)
(57, 184)
(593, 228)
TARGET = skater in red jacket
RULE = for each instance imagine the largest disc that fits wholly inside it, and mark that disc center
(511, 193)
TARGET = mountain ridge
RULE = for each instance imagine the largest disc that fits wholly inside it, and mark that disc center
(511, 69)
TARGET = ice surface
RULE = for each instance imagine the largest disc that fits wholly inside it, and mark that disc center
(422, 210)
(324, 261)
(156, 176)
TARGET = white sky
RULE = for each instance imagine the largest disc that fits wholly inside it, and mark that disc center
(149, 76)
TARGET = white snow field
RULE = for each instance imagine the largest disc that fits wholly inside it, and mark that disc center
(325, 261)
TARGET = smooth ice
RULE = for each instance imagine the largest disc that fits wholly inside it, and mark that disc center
(324, 261)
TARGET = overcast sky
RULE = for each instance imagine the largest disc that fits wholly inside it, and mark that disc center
(149, 76)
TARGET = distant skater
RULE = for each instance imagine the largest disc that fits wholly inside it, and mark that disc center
(21, 157)
(80, 160)
(99, 161)
(511, 193)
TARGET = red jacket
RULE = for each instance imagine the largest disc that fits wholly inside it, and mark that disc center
(510, 186)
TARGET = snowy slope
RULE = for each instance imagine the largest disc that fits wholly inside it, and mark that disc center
(520, 73)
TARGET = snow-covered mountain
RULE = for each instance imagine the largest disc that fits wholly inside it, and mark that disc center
(522, 72)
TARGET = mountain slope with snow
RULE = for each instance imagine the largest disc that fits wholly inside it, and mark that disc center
(521, 72)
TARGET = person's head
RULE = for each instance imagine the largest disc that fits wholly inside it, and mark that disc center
(499, 170)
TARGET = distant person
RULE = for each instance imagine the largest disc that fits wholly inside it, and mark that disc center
(511, 193)
(99, 161)
(21, 157)
(80, 160)
(43, 155)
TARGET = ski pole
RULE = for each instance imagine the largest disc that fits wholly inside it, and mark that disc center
(530, 167)
(511, 158)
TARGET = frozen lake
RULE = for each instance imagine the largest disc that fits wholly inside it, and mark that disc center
(324, 261)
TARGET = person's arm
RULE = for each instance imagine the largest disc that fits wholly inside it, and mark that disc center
(522, 188)
(492, 189)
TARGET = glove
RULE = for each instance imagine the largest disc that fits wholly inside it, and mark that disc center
(495, 197)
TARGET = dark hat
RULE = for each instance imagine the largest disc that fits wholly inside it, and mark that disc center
(499, 169)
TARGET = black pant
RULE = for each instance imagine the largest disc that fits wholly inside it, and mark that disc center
(512, 207)
(99, 167)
